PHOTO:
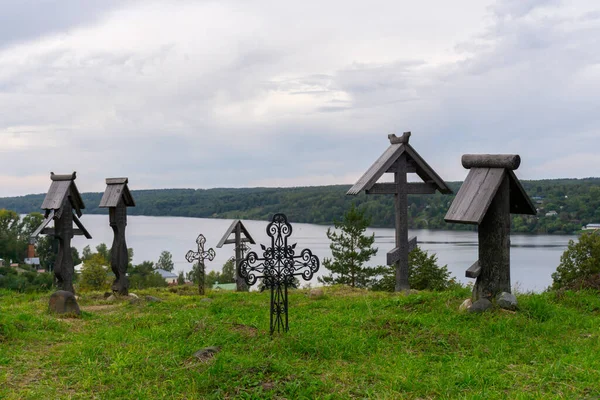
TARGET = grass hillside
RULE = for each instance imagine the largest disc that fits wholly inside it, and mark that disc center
(346, 344)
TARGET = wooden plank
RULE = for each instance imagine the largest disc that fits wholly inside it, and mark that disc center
(411, 167)
(83, 231)
(412, 243)
(494, 247)
(75, 199)
(508, 161)
(520, 203)
(112, 195)
(232, 229)
(52, 232)
(475, 196)
(228, 232)
(56, 195)
(232, 241)
(116, 181)
(66, 177)
(474, 270)
(394, 255)
(44, 223)
(425, 172)
(410, 188)
(375, 171)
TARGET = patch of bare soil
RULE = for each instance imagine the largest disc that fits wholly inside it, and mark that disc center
(246, 330)
(99, 307)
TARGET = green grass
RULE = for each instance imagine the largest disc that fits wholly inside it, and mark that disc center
(348, 344)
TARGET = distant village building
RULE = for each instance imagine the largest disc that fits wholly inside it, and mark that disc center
(1, 262)
(591, 227)
(551, 214)
(224, 286)
(169, 277)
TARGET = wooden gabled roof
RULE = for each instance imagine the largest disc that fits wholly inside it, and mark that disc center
(479, 189)
(231, 229)
(62, 186)
(116, 188)
(385, 163)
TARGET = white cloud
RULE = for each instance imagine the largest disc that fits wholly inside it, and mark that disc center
(233, 93)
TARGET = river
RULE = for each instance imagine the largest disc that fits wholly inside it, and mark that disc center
(533, 257)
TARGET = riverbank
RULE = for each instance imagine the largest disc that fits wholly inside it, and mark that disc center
(346, 343)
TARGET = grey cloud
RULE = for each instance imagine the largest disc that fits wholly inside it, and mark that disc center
(22, 20)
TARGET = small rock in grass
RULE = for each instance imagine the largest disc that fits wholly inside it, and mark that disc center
(112, 297)
(133, 295)
(465, 305)
(107, 295)
(506, 300)
(153, 299)
(207, 353)
(480, 306)
(63, 302)
(205, 300)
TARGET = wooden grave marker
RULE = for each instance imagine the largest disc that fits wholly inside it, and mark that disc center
(400, 158)
(238, 229)
(489, 194)
(63, 205)
(117, 198)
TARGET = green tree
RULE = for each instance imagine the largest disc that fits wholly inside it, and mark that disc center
(103, 250)
(75, 255)
(46, 248)
(228, 272)
(180, 278)
(210, 279)
(423, 273)
(143, 276)
(351, 249)
(86, 253)
(165, 261)
(581, 260)
(94, 274)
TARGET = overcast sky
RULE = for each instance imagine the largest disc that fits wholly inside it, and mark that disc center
(203, 94)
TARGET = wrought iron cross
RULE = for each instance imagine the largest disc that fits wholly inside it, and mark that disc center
(200, 256)
(277, 268)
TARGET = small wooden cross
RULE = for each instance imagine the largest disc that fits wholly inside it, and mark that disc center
(200, 256)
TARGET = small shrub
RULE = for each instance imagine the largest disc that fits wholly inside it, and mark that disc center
(580, 262)
(423, 273)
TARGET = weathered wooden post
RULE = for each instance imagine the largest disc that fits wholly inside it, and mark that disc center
(200, 256)
(237, 229)
(490, 193)
(277, 268)
(400, 159)
(117, 198)
(60, 202)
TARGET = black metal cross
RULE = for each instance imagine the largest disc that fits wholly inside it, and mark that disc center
(200, 256)
(277, 268)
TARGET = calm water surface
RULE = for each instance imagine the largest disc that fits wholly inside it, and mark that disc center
(533, 257)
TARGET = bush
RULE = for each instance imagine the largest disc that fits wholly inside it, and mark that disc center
(579, 262)
(94, 274)
(26, 281)
(423, 273)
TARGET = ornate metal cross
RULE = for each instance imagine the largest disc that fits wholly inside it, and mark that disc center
(200, 256)
(277, 268)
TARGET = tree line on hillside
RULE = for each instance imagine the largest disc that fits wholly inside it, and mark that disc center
(564, 205)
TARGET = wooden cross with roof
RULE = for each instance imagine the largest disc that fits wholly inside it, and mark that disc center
(400, 158)
(63, 205)
(238, 229)
(487, 197)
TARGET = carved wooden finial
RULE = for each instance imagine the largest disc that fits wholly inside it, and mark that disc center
(399, 140)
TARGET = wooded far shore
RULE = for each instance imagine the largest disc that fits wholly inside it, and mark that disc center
(564, 205)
